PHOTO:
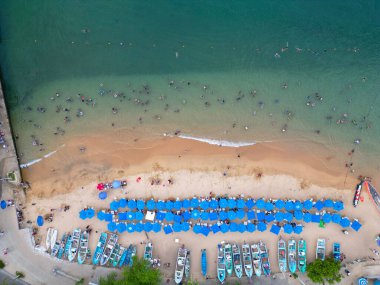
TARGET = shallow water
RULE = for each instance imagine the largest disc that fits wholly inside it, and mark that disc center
(209, 69)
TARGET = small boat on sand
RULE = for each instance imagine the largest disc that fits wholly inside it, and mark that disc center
(62, 245)
(336, 251)
(357, 194)
(180, 265)
(67, 246)
(83, 247)
(302, 255)
(187, 265)
(204, 262)
(292, 255)
(115, 255)
(55, 249)
(282, 254)
(122, 257)
(265, 265)
(236, 257)
(247, 260)
(256, 259)
(320, 252)
(48, 238)
(74, 245)
(133, 253)
(221, 265)
(53, 238)
(108, 249)
(99, 248)
(148, 252)
(228, 258)
(128, 255)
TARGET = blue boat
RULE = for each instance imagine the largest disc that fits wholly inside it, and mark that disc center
(265, 265)
(62, 246)
(221, 266)
(127, 259)
(67, 246)
(123, 256)
(133, 253)
(336, 251)
(99, 248)
(204, 262)
(292, 255)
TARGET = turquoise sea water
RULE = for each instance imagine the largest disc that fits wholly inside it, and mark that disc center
(226, 70)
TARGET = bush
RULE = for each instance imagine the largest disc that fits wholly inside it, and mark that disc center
(2, 264)
(324, 271)
(20, 274)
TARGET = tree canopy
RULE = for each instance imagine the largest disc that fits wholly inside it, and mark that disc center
(141, 273)
(324, 271)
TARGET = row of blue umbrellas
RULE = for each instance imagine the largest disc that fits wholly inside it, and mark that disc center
(223, 203)
(147, 227)
(87, 213)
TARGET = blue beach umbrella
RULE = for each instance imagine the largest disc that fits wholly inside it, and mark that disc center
(364, 281)
(215, 228)
(308, 204)
(177, 218)
(168, 229)
(251, 215)
(288, 216)
(298, 229)
(240, 214)
(260, 216)
(123, 216)
(132, 204)
(160, 205)
(315, 218)
(233, 227)
(205, 205)
(307, 217)
(177, 205)
(90, 213)
(269, 218)
(139, 216)
(224, 228)
(160, 216)
(122, 203)
(102, 195)
(240, 203)
(345, 222)
(288, 229)
(169, 205)
(338, 206)
(101, 215)
(114, 205)
(223, 215)
(169, 216)
(156, 227)
(186, 216)
(139, 227)
(328, 203)
(223, 203)
(231, 203)
(326, 218)
(148, 226)
(356, 225)
(318, 205)
(108, 217)
(231, 215)
(194, 203)
(205, 231)
(40, 221)
(121, 227)
(260, 204)
(195, 214)
(177, 227)
(275, 229)
(204, 216)
(116, 184)
(251, 227)
(197, 229)
(280, 204)
(214, 204)
(279, 216)
(83, 214)
(131, 228)
(151, 205)
(249, 204)
(111, 226)
(186, 203)
(131, 216)
(298, 215)
(262, 227)
(140, 204)
(298, 205)
(289, 205)
(242, 228)
(269, 206)
(185, 227)
(213, 216)
(336, 218)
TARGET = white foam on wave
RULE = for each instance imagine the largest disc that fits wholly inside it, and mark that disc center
(25, 165)
(223, 143)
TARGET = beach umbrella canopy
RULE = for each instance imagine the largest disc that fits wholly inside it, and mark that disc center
(215, 228)
(336, 218)
(242, 228)
(83, 214)
(205, 231)
(140, 204)
(231, 203)
(108, 217)
(101, 215)
(148, 226)
(169, 216)
(298, 215)
(186, 216)
(363, 281)
(231, 215)
(260, 216)
(269, 218)
(288, 229)
(121, 227)
(240, 203)
(338, 206)
(326, 218)
(194, 203)
(131, 228)
(249, 203)
(318, 205)
(185, 227)
(308, 204)
(328, 203)
(307, 217)
(156, 227)
(279, 216)
(214, 204)
(345, 222)
(195, 214)
(224, 228)
(315, 218)
(197, 229)
(111, 226)
(261, 227)
(139, 216)
(289, 205)
(177, 227)
(288, 216)
(177, 218)
(269, 206)
(356, 225)
(240, 214)
(260, 204)
(251, 215)
(131, 215)
(186, 203)
(160, 216)
(40, 221)
(100, 186)
(223, 203)
(169, 205)
(123, 203)
(114, 205)
(233, 227)
(123, 216)
(205, 205)
(298, 205)
(223, 215)
(132, 204)
(298, 229)
(116, 184)
(151, 205)
(275, 229)
(213, 216)
(102, 195)
(139, 227)
(251, 227)
(90, 213)
(168, 229)
(160, 205)
(177, 205)
(280, 204)
(204, 216)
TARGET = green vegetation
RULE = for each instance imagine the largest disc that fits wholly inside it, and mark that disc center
(2, 264)
(80, 282)
(20, 274)
(192, 282)
(324, 271)
(11, 176)
(141, 273)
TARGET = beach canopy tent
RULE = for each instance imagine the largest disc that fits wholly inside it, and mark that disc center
(213, 216)
(132, 204)
(40, 221)
(242, 228)
(249, 203)
(195, 214)
(240, 203)
(251, 215)
(121, 227)
(131, 216)
(205, 231)
(289, 205)
(168, 229)
(326, 218)
(197, 229)
(363, 281)
(356, 225)
(123, 216)
(298, 215)
(177, 205)
(269, 218)
(160, 216)
(288, 229)
(102, 195)
(83, 214)
(150, 215)
(318, 205)
(345, 222)
(279, 216)
(231, 215)
(338, 206)
(205, 205)
(240, 214)
(251, 227)
(194, 203)
(298, 229)
(151, 204)
(223, 203)
(90, 213)
(298, 206)
(139, 227)
(280, 204)
(204, 216)
(275, 229)
(108, 217)
(111, 226)
(214, 204)
(186, 216)
(215, 228)
(177, 227)
(308, 204)
(114, 205)
(288, 216)
(116, 184)
(139, 216)
(186, 203)
(101, 215)
(328, 203)
(269, 206)
(177, 218)
(169, 216)
(123, 203)
(100, 186)
(148, 226)
(140, 204)
(315, 218)
(231, 203)
(224, 228)
(169, 205)
(160, 205)
(336, 218)
(307, 217)
(156, 227)
(261, 227)
(260, 204)
(185, 227)
(260, 216)
(233, 227)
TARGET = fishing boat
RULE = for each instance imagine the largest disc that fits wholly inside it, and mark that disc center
(187, 265)
(55, 249)
(128, 255)
(48, 238)
(221, 266)
(115, 254)
(83, 247)
(302, 255)
(204, 262)
(99, 248)
(133, 253)
(75, 238)
(282, 254)
(108, 249)
(53, 238)
(236, 257)
(374, 194)
(256, 259)
(228, 258)
(67, 246)
(62, 245)
(292, 255)
(265, 265)
(247, 260)
(357, 194)
(148, 252)
(336, 251)
(180, 265)
(124, 255)
(321, 249)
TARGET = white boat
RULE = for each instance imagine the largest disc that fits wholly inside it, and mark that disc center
(53, 238)
(247, 260)
(256, 259)
(180, 265)
(321, 249)
(187, 265)
(109, 249)
(48, 238)
(73, 250)
(236, 257)
(55, 249)
(281, 254)
(83, 247)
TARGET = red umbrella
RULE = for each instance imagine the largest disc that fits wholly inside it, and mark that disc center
(100, 186)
